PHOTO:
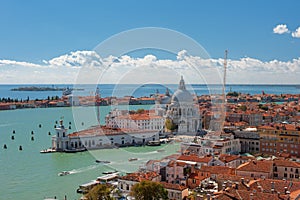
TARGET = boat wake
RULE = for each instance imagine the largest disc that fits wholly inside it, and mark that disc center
(83, 169)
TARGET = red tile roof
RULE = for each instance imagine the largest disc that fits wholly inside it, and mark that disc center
(195, 158)
(140, 176)
(173, 186)
(217, 169)
(257, 166)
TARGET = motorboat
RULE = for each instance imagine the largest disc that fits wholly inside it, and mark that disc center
(132, 159)
(75, 150)
(109, 172)
(48, 150)
(63, 173)
(103, 161)
(153, 143)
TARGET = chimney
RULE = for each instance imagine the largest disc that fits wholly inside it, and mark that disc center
(251, 196)
(242, 180)
(208, 196)
(223, 187)
(273, 185)
(272, 191)
(261, 189)
(237, 186)
(288, 194)
(285, 190)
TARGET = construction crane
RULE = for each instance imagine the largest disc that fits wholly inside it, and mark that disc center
(224, 75)
(97, 103)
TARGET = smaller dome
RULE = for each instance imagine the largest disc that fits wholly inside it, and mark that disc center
(182, 96)
(166, 100)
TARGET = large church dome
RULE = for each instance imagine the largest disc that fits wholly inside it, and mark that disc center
(182, 95)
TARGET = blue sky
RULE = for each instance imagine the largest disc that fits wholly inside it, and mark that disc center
(37, 30)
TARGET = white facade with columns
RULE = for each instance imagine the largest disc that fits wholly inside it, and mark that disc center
(183, 110)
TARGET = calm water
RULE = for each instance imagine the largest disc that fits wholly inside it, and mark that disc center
(27, 174)
(143, 90)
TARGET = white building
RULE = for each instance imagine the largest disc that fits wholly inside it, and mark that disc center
(213, 143)
(144, 120)
(183, 112)
(100, 137)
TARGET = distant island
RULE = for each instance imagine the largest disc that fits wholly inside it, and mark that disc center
(35, 88)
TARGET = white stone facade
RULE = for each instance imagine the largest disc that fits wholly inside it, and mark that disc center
(183, 112)
(139, 121)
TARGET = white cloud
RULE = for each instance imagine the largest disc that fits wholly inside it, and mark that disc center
(89, 67)
(75, 59)
(281, 29)
(296, 33)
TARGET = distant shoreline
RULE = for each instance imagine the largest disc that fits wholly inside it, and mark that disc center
(39, 89)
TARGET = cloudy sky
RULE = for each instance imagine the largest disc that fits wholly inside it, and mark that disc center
(55, 41)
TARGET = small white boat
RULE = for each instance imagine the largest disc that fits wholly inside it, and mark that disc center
(132, 159)
(110, 172)
(63, 173)
(48, 150)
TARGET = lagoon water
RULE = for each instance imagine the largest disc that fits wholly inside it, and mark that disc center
(27, 174)
(121, 90)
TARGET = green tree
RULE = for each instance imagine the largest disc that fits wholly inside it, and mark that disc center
(100, 192)
(148, 190)
(170, 125)
(243, 108)
(140, 111)
(233, 94)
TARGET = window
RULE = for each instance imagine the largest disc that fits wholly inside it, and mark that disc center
(284, 175)
(275, 175)
(291, 175)
(285, 169)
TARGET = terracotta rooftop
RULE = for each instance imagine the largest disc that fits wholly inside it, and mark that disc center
(265, 166)
(217, 169)
(226, 158)
(195, 158)
(103, 130)
(143, 116)
(173, 186)
(286, 163)
(233, 194)
(140, 176)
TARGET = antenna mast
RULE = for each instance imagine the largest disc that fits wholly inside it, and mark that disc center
(97, 103)
(224, 75)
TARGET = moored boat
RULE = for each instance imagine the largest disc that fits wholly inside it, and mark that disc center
(48, 150)
(132, 159)
(153, 143)
(110, 172)
(75, 150)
